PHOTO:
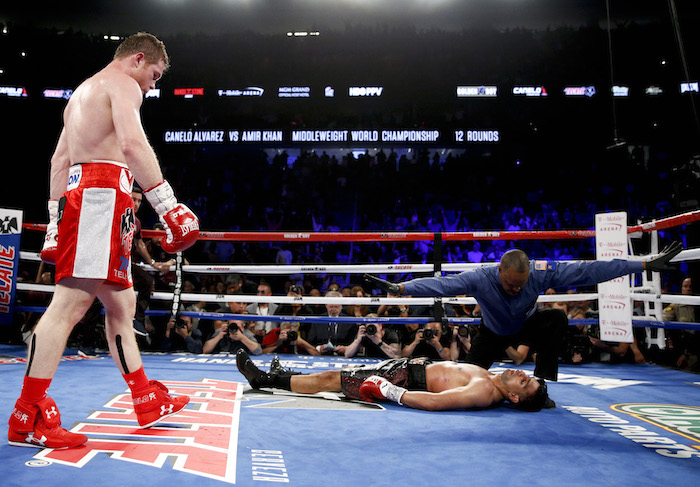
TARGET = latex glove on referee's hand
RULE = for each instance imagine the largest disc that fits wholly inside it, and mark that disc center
(386, 286)
(660, 262)
(180, 223)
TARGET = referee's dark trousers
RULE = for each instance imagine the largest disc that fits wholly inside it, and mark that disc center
(545, 331)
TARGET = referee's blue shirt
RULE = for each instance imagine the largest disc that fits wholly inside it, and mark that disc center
(505, 314)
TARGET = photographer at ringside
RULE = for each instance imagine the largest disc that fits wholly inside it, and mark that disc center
(232, 336)
(180, 337)
(461, 342)
(429, 342)
(372, 340)
(286, 339)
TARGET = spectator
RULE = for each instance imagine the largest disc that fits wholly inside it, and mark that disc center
(372, 340)
(619, 352)
(461, 341)
(475, 255)
(180, 336)
(682, 312)
(189, 287)
(294, 309)
(231, 336)
(394, 310)
(577, 347)
(316, 309)
(263, 309)
(577, 307)
(286, 339)
(233, 284)
(143, 280)
(37, 298)
(332, 338)
(429, 342)
(284, 256)
(88, 331)
(685, 344)
(357, 310)
(165, 280)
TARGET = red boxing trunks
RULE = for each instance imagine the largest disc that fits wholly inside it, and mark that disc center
(96, 223)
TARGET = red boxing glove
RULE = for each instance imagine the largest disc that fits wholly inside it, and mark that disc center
(180, 223)
(181, 228)
(50, 247)
(376, 387)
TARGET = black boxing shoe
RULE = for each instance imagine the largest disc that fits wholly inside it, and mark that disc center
(277, 369)
(256, 377)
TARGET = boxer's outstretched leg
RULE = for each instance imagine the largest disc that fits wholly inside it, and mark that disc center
(328, 381)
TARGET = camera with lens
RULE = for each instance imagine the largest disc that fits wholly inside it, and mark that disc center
(371, 329)
(291, 336)
(593, 331)
(180, 323)
(463, 330)
(429, 334)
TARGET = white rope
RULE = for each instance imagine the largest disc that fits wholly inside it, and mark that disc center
(251, 298)
(373, 301)
(692, 254)
(685, 255)
(667, 298)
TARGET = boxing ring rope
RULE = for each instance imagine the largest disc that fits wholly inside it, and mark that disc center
(645, 293)
(664, 223)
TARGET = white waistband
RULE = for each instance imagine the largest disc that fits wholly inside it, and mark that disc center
(105, 161)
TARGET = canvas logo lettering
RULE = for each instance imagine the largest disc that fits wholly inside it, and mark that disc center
(201, 441)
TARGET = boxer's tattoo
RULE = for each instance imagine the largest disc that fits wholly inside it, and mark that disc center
(120, 350)
(32, 349)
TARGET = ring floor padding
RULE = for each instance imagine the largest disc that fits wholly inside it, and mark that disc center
(614, 425)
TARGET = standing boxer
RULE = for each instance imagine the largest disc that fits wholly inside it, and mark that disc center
(102, 148)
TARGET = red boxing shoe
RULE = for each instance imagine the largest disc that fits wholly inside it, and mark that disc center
(39, 426)
(153, 404)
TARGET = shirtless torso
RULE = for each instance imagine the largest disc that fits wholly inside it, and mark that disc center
(442, 376)
(102, 122)
(453, 385)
